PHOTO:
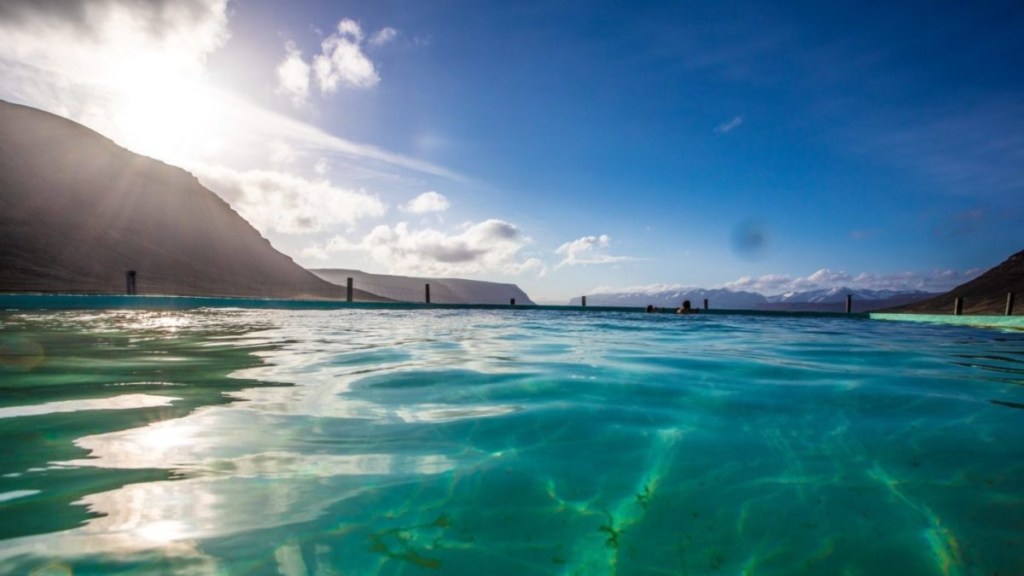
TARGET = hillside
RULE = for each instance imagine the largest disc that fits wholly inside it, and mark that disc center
(77, 212)
(442, 290)
(986, 294)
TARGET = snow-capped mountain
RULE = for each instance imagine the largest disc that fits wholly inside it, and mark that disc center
(719, 298)
(839, 293)
(823, 300)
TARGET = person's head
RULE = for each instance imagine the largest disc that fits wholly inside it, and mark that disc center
(686, 304)
(650, 307)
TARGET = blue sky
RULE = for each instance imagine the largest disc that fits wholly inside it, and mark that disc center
(568, 146)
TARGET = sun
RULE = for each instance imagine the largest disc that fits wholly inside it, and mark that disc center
(177, 120)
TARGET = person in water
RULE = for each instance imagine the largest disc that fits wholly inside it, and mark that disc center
(685, 308)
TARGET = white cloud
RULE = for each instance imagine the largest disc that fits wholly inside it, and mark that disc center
(350, 29)
(726, 127)
(491, 246)
(280, 202)
(383, 36)
(426, 202)
(281, 154)
(826, 277)
(321, 166)
(767, 284)
(78, 38)
(934, 281)
(343, 60)
(588, 250)
(293, 75)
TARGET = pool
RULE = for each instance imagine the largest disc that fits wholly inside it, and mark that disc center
(368, 441)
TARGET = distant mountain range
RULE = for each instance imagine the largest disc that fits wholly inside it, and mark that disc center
(824, 300)
(834, 299)
(986, 294)
(719, 298)
(77, 212)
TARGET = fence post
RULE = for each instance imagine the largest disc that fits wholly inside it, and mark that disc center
(849, 303)
(131, 287)
(958, 306)
(1009, 303)
(428, 293)
(584, 301)
(705, 303)
(348, 290)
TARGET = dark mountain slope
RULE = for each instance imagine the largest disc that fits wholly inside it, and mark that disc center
(986, 294)
(77, 211)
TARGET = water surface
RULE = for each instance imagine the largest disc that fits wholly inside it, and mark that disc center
(236, 441)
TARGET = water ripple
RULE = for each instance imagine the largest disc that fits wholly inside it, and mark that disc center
(315, 442)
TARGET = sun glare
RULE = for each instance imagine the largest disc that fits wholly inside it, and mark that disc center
(173, 120)
(164, 436)
(163, 531)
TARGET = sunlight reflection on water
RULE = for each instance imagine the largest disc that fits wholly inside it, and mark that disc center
(122, 402)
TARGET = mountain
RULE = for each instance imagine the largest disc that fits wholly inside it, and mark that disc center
(839, 293)
(824, 300)
(442, 290)
(717, 298)
(986, 294)
(78, 211)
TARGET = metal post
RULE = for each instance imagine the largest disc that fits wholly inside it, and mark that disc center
(1009, 303)
(958, 306)
(849, 303)
(584, 301)
(348, 290)
(705, 303)
(130, 286)
(428, 293)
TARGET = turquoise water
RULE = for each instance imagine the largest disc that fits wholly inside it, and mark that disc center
(302, 442)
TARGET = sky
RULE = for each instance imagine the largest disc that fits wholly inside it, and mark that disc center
(568, 147)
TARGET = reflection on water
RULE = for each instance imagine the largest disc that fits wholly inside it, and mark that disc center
(347, 441)
(121, 402)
